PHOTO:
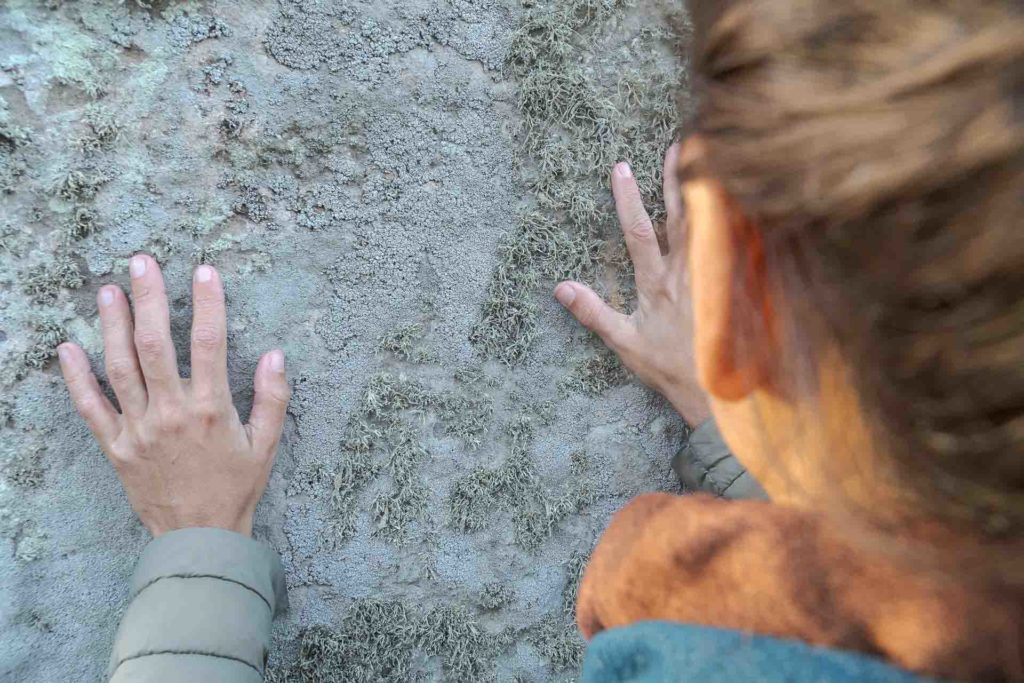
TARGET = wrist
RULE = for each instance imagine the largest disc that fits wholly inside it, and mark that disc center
(240, 525)
(690, 402)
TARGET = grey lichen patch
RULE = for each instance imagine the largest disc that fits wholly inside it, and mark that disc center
(536, 519)
(21, 463)
(47, 334)
(595, 374)
(463, 416)
(44, 281)
(12, 135)
(27, 471)
(405, 342)
(40, 347)
(382, 437)
(559, 642)
(578, 462)
(14, 138)
(406, 501)
(238, 250)
(574, 569)
(515, 487)
(189, 27)
(388, 641)
(494, 596)
(79, 184)
(101, 129)
(30, 545)
(538, 248)
(160, 247)
(14, 240)
(81, 222)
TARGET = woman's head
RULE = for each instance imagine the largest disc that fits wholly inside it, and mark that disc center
(855, 185)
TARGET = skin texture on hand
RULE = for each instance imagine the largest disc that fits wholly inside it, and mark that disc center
(182, 453)
(656, 340)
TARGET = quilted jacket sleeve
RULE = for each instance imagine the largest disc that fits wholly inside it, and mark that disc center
(705, 463)
(200, 608)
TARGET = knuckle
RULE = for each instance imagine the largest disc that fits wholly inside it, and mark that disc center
(112, 321)
(143, 291)
(208, 411)
(283, 394)
(149, 344)
(206, 302)
(207, 337)
(120, 370)
(121, 453)
(87, 406)
(279, 394)
(651, 284)
(640, 227)
(660, 289)
(170, 420)
(590, 314)
(74, 382)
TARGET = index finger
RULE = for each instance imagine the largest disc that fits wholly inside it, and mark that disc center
(153, 329)
(637, 228)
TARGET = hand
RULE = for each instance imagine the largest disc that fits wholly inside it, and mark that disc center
(184, 457)
(656, 341)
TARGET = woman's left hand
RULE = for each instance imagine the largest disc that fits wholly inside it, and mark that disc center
(183, 455)
(656, 340)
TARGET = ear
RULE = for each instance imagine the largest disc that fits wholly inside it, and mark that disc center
(733, 321)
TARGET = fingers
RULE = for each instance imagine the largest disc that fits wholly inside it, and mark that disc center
(153, 329)
(641, 240)
(91, 404)
(269, 404)
(593, 313)
(122, 364)
(675, 224)
(209, 334)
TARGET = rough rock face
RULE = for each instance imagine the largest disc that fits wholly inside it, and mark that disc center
(389, 189)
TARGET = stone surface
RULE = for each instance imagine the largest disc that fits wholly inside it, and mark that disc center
(353, 168)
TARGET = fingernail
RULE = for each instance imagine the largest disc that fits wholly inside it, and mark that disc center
(137, 266)
(624, 170)
(277, 361)
(565, 294)
(106, 296)
(63, 354)
(204, 274)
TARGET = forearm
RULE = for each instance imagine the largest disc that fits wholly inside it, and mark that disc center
(200, 608)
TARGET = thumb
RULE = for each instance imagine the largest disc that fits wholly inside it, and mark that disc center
(269, 404)
(592, 312)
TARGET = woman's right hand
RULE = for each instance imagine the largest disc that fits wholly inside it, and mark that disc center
(656, 340)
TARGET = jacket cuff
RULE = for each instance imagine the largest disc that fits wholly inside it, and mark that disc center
(213, 552)
(199, 597)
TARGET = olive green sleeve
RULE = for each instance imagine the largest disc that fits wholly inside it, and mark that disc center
(200, 609)
(705, 463)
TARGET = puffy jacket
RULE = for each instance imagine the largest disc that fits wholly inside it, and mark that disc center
(201, 602)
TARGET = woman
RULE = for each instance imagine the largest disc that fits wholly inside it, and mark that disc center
(845, 307)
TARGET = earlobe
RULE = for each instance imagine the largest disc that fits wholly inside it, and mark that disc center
(727, 279)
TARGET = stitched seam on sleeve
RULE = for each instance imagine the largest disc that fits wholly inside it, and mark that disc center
(734, 480)
(198, 653)
(716, 462)
(203, 576)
